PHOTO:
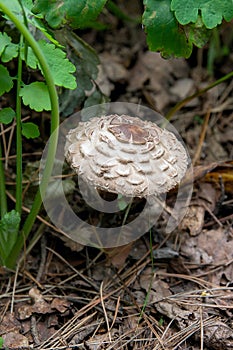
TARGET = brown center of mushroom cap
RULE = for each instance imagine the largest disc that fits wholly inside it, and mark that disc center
(131, 133)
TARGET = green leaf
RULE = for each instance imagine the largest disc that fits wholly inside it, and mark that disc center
(8, 50)
(31, 58)
(76, 13)
(30, 130)
(212, 11)
(163, 31)
(4, 41)
(14, 6)
(5, 79)
(34, 20)
(36, 96)
(37, 22)
(9, 227)
(7, 115)
(61, 68)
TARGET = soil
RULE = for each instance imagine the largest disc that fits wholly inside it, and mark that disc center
(162, 291)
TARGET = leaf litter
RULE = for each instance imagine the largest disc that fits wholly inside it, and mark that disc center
(160, 292)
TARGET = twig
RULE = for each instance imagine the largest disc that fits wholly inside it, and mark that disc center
(73, 268)
(182, 103)
(116, 312)
(104, 310)
(202, 329)
(27, 210)
(34, 331)
(202, 138)
(14, 289)
(43, 258)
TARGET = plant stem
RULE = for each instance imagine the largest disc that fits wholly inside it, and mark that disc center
(3, 201)
(182, 103)
(53, 135)
(19, 170)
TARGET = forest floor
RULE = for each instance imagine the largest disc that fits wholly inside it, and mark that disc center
(163, 291)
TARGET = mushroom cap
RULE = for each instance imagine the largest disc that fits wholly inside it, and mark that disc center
(126, 155)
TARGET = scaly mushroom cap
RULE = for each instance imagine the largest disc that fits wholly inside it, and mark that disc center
(126, 155)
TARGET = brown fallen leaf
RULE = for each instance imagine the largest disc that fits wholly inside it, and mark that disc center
(117, 256)
(15, 340)
(9, 323)
(215, 173)
(193, 220)
(206, 200)
(60, 305)
(219, 336)
(213, 247)
(39, 305)
(200, 171)
(222, 173)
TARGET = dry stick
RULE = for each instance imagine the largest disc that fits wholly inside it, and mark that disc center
(178, 338)
(65, 332)
(195, 279)
(116, 312)
(14, 289)
(72, 268)
(3, 140)
(12, 126)
(7, 151)
(182, 103)
(4, 145)
(228, 217)
(8, 146)
(104, 310)
(81, 312)
(3, 313)
(33, 279)
(43, 259)
(202, 138)
(78, 314)
(33, 178)
(166, 329)
(97, 328)
(144, 316)
(214, 306)
(202, 329)
(226, 92)
(212, 214)
(34, 330)
(23, 155)
(27, 210)
(121, 338)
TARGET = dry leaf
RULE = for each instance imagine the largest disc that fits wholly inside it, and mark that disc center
(193, 220)
(118, 255)
(14, 340)
(60, 304)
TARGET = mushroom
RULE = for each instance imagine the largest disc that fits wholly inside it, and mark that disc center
(126, 155)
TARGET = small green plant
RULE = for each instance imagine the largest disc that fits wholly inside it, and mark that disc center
(48, 56)
(1, 342)
(174, 26)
